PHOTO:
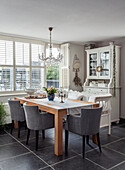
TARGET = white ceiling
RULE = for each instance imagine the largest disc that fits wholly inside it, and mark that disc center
(73, 20)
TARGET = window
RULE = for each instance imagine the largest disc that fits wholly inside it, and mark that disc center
(36, 50)
(6, 78)
(22, 62)
(22, 78)
(52, 76)
(6, 52)
(37, 78)
(6, 68)
(22, 53)
(37, 66)
(52, 72)
(20, 66)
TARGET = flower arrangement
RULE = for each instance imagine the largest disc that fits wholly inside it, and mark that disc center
(50, 90)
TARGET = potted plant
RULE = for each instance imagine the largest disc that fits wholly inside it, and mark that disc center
(3, 115)
(50, 92)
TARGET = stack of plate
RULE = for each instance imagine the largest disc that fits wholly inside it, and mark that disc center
(30, 91)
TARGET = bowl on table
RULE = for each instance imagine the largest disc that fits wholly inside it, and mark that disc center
(30, 91)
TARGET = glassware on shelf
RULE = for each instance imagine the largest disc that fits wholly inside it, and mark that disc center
(93, 57)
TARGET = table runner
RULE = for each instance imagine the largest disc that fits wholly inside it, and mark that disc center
(72, 107)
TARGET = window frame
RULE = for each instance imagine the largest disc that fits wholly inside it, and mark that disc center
(15, 39)
(30, 66)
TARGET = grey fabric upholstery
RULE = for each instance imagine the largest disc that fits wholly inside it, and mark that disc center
(38, 120)
(88, 123)
(16, 110)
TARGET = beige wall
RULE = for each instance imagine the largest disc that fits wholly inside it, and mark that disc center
(79, 51)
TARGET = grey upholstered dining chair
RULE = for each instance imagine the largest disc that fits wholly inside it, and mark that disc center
(88, 123)
(17, 113)
(37, 120)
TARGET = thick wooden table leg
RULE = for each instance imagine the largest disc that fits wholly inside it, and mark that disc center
(15, 124)
(94, 139)
(59, 134)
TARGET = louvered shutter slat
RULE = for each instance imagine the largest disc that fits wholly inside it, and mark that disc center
(6, 58)
(64, 67)
(22, 53)
(37, 73)
(6, 52)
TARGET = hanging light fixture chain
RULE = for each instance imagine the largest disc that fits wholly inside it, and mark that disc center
(50, 40)
(50, 29)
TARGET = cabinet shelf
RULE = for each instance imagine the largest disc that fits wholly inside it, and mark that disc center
(105, 69)
(105, 59)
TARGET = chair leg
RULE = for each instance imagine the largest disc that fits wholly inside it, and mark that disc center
(87, 139)
(25, 125)
(28, 135)
(109, 131)
(99, 145)
(19, 126)
(66, 140)
(43, 134)
(12, 127)
(37, 139)
(83, 147)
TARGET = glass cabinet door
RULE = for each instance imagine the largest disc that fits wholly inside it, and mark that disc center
(104, 63)
(92, 64)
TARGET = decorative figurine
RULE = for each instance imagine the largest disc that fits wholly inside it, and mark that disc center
(62, 95)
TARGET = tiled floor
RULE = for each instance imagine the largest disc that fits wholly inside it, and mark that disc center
(15, 155)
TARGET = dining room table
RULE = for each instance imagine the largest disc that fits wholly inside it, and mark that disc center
(58, 109)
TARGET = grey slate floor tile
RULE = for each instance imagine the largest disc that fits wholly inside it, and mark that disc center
(118, 146)
(11, 150)
(107, 158)
(77, 163)
(48, 156)
(119, 167)
(23, 162)
(6, 139)
(14, 155)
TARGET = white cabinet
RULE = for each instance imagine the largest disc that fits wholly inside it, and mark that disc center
(102, 81)
(92, 60)
(102, 58)
(104, 62)
(98, 58)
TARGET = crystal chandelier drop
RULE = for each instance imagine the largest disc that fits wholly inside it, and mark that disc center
(50, 59)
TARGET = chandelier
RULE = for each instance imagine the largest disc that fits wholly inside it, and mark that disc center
(50, 59)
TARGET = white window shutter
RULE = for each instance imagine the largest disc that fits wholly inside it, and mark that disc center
(36, 50)
(22, 53)
(6, 52)
(64, 67)
(38, 77)
(6, 65)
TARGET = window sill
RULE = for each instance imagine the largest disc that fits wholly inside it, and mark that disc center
(12, 94)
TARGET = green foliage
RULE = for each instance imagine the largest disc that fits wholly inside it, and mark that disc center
(52, 72)
(50, 90)
(3, 114)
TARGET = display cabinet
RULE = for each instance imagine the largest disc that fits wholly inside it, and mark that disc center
(98, 62)
(103, 65)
